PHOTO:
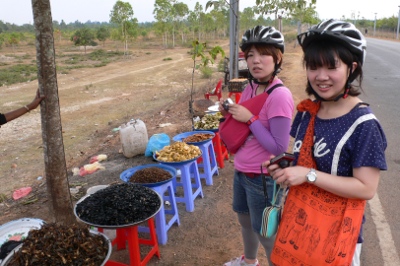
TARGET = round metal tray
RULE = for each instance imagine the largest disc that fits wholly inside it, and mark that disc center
(182, 136)
(18, 229)
(176, 163)
(127, 174)
(123, 225)
(11, 254)
(202, 130)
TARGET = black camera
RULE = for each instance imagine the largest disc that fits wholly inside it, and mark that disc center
(226, 104)
(283, 160)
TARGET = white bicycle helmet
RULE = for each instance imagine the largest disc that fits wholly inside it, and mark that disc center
(263, 35)
(344, 32)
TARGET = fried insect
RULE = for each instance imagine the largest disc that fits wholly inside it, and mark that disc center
(55, 244)
(178, 152)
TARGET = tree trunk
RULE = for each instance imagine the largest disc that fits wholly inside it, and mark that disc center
(173, 37)
(60, 203)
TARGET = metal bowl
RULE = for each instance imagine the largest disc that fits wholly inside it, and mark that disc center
(11, 254)
(123, 225)
(182, 136)
(176, 163)
(127, 174)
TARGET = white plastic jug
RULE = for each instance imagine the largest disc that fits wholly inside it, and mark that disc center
(133, 137)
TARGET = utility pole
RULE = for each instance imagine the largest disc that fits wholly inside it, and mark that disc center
(233, 38)
(398, 24)
(375, 24)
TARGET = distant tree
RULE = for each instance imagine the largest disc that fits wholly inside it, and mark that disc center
(144, 34)
(1, 40)
(57, 33)
(179, 12)
(12, 39)
(276, 7)
(122, 14)
(133, 28)
(63, 25)
(103, 34)
(304, 12)
(247, 18)
(195, 20)
(163, 14)
(83, 37)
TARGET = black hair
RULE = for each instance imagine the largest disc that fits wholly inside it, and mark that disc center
(323, 52)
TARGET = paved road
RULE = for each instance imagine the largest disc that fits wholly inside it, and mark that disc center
(381, 86)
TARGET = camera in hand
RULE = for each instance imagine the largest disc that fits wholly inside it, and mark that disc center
(283, 160)
(226, 104)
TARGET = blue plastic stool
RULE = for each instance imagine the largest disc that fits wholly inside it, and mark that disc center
(190, 182)
(166, 190)
(208, 162)
(162, 222)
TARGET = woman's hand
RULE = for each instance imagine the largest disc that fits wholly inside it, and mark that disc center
(36, 101)
(240, 113)
(289, 176)
(221, 107)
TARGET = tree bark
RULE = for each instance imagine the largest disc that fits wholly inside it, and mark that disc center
(60, 204)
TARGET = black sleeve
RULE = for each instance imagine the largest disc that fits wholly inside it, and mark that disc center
(2, 119)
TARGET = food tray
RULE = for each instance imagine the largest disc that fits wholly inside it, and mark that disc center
(176, 163)
(18, 229)
(237, 85)
(123, 225)
(182, 136)
(93, 232)
(127, 174)
(214, 130)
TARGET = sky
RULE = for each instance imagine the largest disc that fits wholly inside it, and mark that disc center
(20, 11)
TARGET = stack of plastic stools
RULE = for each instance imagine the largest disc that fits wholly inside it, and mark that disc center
(165, 189)
(221, 152)
(207, 162)
(131, 235)
(189, 181)
(164, 222)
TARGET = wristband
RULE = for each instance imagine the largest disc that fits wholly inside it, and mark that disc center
(252, 119)
(27, 108)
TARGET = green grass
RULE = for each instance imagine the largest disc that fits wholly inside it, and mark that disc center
(23, 72)
(17, 74)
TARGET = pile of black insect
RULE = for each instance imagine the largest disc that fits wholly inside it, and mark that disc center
(118, 205)
(150, 175)
(55, 244)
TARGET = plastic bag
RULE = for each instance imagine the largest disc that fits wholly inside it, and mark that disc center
(88, 169)
(156, 143)
(133, 137)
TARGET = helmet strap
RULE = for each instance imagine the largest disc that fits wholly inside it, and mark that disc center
(276, 71)
(348, 85)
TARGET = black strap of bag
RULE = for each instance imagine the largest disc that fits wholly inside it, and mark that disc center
(274, 194)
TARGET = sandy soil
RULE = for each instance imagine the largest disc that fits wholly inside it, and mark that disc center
(96, 101)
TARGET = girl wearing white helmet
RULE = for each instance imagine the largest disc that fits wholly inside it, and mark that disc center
(340, 150)
(263, 48)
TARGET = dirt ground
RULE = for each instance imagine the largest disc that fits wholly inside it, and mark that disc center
(94, 102)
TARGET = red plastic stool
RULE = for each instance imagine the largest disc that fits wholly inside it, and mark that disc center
(167, 216)
(221, 153)
(217, 91)
(130, 234)
(207, 162)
